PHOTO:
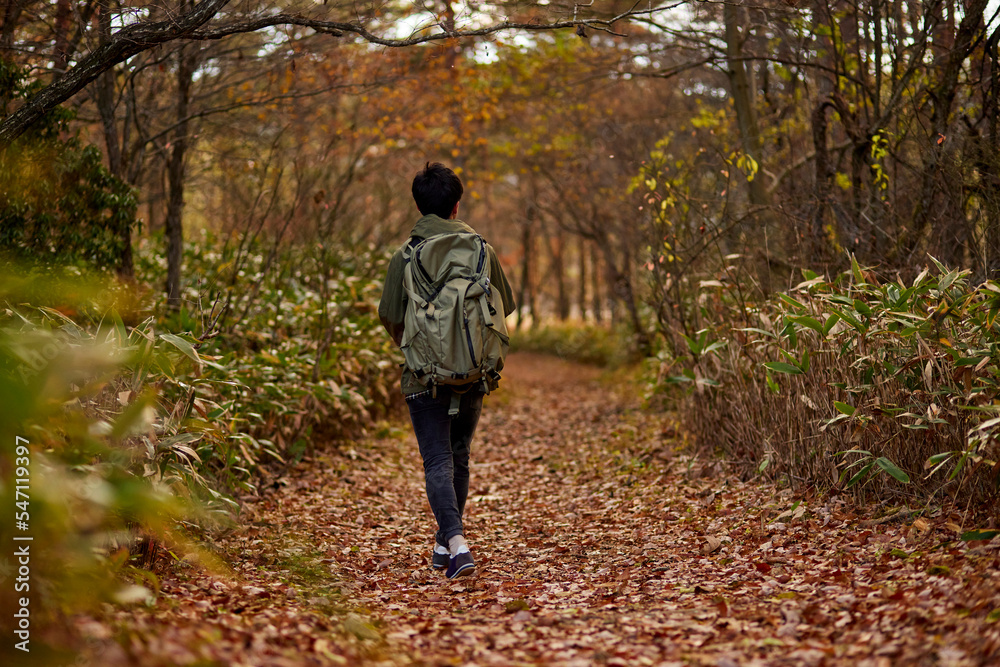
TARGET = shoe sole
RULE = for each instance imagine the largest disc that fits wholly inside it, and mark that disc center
(464, 571)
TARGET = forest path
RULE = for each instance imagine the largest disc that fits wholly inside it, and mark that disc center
(595, 545)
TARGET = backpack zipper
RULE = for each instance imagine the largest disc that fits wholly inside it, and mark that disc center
(468, 332)
(482, 254)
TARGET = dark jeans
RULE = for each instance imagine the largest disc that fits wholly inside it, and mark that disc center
(444, 446)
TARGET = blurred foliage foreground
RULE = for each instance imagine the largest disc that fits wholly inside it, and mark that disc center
(129, 436)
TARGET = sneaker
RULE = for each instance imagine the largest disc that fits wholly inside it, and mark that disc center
(460, 565)
(440, 559)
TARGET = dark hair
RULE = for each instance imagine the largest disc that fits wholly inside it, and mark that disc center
(436, 189)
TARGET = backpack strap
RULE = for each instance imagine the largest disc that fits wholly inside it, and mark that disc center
(409, 246)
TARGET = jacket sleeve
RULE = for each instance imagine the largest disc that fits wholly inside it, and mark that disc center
(499, 281)
(392, 305)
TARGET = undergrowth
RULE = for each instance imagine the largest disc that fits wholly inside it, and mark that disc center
(140, 427)
(887, 388)
(606, 347)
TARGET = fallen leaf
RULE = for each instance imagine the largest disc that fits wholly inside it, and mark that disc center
(711, 545)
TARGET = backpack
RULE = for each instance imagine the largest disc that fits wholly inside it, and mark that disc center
(453, 334)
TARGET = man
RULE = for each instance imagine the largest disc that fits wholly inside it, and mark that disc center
(444, 439)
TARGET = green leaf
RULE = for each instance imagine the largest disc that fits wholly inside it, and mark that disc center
(860, 474)
(947, 280)
(938, 461)
(844, 408)
(973, 535)
(810, 322)
(958, 466)
(795, 304)
(717, 345)
(850, 320)
(772, 385)
(940, 267)
(221, 410)
(856, 271)
(835, 420)
(891, 468)
(692, 344)
(759, 331)
(793, 360)
(968, 361)
(831, 321)
(183, 346)
(782, 367)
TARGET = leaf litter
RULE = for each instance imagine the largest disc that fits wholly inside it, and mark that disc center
(597, 542)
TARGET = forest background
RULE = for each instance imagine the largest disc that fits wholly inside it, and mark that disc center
(789, 212)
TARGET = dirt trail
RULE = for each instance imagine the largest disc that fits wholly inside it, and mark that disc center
(595, 545)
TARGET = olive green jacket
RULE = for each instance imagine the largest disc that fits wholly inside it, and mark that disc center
(392, 306)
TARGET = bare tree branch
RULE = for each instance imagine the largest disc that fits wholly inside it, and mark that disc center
(339, 29)
(144, 35)
(124, 44)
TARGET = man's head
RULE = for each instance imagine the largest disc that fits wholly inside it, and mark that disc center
(437, 190)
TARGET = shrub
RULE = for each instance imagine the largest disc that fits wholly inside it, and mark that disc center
(291, 353)
(852, 382)
(58, 203)
(135, 431)
(89, 468)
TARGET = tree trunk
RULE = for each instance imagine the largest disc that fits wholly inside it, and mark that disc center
(625, 294)
(105, 96)
(559, 271)
(746, 118)
(821, 187)
(989, 160)
(581, 294)
(60, 50)
(595, 284)
(186, 58)
(11, 14)
(943, 97)
(525, 296)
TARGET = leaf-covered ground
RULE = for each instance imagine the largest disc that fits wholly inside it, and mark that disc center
(596, 544)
